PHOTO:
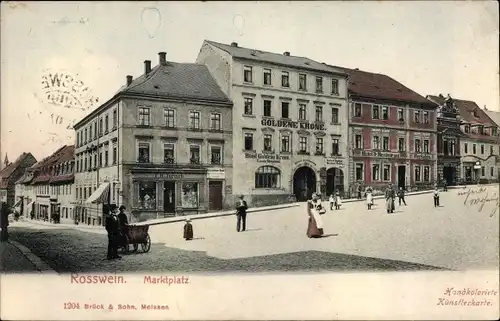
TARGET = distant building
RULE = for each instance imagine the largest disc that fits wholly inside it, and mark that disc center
(161, 146)
(479, 148)
(392, 130)
(10, 174)
(289, 122)
(25, 193)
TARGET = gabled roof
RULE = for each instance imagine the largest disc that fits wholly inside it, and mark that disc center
(379, 86)
(7, 171)
(47, 159)
(494, 115)
(274, 58)
(466, 109)
(61, 155)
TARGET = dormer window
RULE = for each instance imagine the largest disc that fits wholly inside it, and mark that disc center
(467, 129)
(481, 130)
(476, 114)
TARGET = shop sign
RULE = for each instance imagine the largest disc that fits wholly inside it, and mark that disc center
(168, 176)
(418, 156)
(267, 158)
(292, 124)
(216, 174)
(335, 161)
(376, 153)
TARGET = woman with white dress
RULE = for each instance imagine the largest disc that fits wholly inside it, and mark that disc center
(315, 225)
(369, 198)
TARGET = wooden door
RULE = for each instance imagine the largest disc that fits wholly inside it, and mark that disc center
(215, 195)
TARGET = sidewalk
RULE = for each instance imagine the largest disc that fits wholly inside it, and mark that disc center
(16, 258)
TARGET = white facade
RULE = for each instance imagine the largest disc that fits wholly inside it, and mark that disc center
(479, 159)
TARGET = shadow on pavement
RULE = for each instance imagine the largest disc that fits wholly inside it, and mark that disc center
(67, 251)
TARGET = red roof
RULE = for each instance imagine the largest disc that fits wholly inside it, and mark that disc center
(378, 86)
(7, 171)
(62, 155)
(466, 109)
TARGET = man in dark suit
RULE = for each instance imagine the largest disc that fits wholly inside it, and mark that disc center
(241, 213)
(113, 229)
(4, 221)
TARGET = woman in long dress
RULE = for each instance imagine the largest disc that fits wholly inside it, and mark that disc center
(369, 198)
(315, 226)
(338, 200)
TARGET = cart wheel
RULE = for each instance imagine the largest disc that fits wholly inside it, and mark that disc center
(146, 246)
(136, 247)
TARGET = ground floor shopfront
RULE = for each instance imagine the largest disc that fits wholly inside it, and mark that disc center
(474, 169)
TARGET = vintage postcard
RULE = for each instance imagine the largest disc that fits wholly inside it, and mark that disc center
(335, 160)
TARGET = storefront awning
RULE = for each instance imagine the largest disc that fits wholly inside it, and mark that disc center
(100, 195)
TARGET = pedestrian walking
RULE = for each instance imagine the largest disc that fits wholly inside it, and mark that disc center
(315, 223)
(241, 213)
(4, 222)
(338, 200)
(369, 197)
(445, 186)
(390, 194)
(401, 196)
(113, 229)
(436, 197)
(360, 190)
(331, 200)
(188, 230)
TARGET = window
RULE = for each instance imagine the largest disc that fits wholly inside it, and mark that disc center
(319, 114)
(144, 153)
(452, 146)
(416, 118)
(401, 144)
(473, 148)
(417, 173)
(95, 131)
(100, 126)
(95, 160)
(85, 136)
(418, 147)
(319, 145)
(115, 154)
(481, 130)
(494, 131)
(427, 174)
(357, 110)
(319, 84)
(376, 142)
(386, 172)
(467, 129)
(483, 171)
(106, 157)
(401, 115)
(285, 79)
(482, 149)
(491, 150)
(426, 119)
(285, 109)
(168, 153)
(248, 141)
(302, 144)
(492, 171)
(106, 124)
(169, 117)
(335, 115)
(285, 143)
(86, 168)
(385, 143)
(302, 112)
(335, 87)
(465, 148)
(147, 195)
(190, 197)
(215, 121)
(247, 74)
(216, 155)
(267, 76)
(375, 172)
(268, 142)
(248, 106)
(194, 120)
(426, 146)
(115, 118)
(302, 82)
(358, 142)
(267, 177)
(385, 113)
(267, 108)
(144, 116)
(194, 154)
(335, 147)
(375, 112)
(359, 172)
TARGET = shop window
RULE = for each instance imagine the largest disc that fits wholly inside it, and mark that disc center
(189, 195)
(147, 195)
(267, 177)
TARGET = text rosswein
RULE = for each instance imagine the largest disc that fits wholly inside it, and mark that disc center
(292, 124)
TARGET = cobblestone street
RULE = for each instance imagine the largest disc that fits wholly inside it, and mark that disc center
(415, 237)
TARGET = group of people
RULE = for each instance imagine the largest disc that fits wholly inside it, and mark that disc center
(117, 228)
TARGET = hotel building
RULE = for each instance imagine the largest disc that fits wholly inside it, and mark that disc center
(161, 146)
(289, 122)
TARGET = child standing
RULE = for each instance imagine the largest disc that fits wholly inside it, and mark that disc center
(338, 201)
(436, 197)
(188, 230)
(331, 201)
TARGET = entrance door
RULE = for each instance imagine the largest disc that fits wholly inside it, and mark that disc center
(334, 181)
(215, 195)
(169, 197)
(402, 176)
(449, 174)
(304, 183)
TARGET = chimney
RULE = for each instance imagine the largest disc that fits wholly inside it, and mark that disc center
(356, 68)
(163, 58)
(286, 53)
(234, 44)
(147, 66)
(129, 80)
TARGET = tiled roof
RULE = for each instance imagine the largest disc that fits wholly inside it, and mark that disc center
(274, 58)
(23, 178)
(466, 110)
(48, 159)
(494, 115)
(63, 154)
(62, 178)
(7, 171)
(379, 86)
(180, 80)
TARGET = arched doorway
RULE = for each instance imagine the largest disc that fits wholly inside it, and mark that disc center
(334, 181)
(304, 183)
(449, 175)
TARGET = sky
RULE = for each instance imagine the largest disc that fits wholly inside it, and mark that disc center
(430, 47)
